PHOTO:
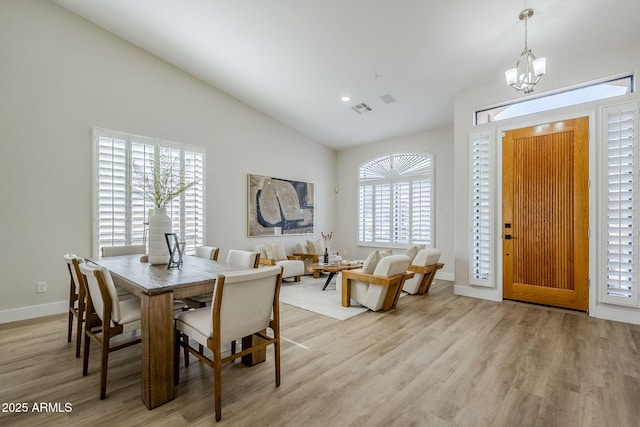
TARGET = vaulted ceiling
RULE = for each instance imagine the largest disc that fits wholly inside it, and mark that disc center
(404, 59)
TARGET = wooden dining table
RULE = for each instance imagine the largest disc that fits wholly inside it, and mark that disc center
(157, 287)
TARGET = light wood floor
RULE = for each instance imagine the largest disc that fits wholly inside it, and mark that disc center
(439, 360)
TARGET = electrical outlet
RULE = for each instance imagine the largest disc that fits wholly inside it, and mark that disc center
(41, 287)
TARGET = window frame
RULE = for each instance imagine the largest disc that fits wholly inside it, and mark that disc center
(136, 203)
(395, 184)
(483, 115)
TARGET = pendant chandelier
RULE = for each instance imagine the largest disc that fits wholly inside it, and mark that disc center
(528, 70)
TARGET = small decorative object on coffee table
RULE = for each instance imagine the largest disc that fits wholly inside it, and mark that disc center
(332, 269)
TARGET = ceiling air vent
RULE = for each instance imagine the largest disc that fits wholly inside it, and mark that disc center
(388, 99)
(361, 108)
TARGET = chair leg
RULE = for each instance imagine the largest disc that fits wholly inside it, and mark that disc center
(176, 359)
(276, 350)
(104, 360)
(186, 352)
(233, 347)
(79, 331)
(85, 359)
(217, 386)
(70, 329)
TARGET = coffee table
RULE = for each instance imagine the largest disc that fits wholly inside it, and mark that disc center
(332, 269)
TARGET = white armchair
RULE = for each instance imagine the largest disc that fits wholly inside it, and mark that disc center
(424, 265)
(292, 266)
(380, 290)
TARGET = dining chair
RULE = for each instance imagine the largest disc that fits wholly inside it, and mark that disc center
(108, 251)
(245, 304)
(76, 298)
(237, 257)
(244, 258)
(106, 317)
(206, 252)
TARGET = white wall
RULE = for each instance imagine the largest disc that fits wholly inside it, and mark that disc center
(440, 144)
(561, 73)
(61, 76)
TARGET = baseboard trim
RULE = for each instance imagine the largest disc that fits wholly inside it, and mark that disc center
(477, 292)
(33, 311)
(445, 276)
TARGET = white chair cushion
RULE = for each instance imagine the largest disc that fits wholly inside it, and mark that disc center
(278, 252)
(205, 252)
(69, 259)
(424, 257)
(291, 267)
(371, 262)
(261, 250)
(392, 265)
(254, 295)
(243, 258)
(88, 270)
(411, 252)
(372, 296)
(311, 247)
(301, 248)
(130, 314)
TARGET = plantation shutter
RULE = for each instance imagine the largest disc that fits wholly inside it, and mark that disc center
(122, 215)
(482, 200)
(395, 203)
(620, 127)
(112, 191)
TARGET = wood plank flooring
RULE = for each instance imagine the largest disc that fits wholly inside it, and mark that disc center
(437, 360)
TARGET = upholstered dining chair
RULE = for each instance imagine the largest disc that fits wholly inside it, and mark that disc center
(245, 304)
(108, 251)
(424, 265)
(206, 252)
(76, 298)
(106, 317)
(379, 290)
(244, 258)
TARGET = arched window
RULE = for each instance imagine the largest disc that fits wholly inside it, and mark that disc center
(396, 200)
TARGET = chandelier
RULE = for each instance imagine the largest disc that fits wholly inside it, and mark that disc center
(528, 70)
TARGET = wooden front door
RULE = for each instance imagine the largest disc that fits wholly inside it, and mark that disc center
(545, 227)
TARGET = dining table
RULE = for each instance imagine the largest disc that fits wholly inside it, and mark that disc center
(158, 287)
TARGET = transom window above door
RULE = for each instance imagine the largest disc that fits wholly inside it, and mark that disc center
(396, 200)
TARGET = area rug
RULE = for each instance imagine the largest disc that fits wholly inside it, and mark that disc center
(308, 295)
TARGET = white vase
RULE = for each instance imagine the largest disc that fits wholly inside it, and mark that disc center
(159, 224)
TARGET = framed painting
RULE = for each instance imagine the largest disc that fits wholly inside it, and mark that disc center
(279, 206)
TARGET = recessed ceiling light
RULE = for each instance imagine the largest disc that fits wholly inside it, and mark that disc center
(345, 99)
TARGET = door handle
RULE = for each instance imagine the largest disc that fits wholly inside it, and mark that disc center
(507, 237)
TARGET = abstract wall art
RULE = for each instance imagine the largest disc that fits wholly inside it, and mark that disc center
(279, 206)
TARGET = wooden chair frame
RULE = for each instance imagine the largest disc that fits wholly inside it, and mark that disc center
(394, 283)
(79, 296)
(257, 342)
(429, 273)
(103, 333)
